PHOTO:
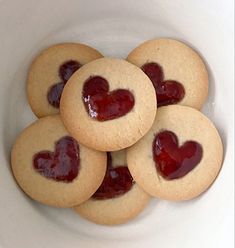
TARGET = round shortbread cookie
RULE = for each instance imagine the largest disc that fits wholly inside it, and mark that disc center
(180, 157)
(50, 71)
(119, 209)
(108, 105)
(52, 168)
(176, 71)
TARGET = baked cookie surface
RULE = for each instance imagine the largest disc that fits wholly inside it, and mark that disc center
(108, 105)
(51, 70)
(52, 167)
(118, 199)
(178, 73)
(180, 156)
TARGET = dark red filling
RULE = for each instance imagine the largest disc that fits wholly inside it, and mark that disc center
(103, 104)
(61, 165)
(168, 92)
(172, 161)
(66, 70)
(117, 181)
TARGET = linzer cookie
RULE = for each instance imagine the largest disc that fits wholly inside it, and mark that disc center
(119, 199)
(177, 72)
(180, 157)
(52, 167)
(109, 104)
(50, 71)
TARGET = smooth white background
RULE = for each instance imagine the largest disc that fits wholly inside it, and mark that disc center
(116, 27)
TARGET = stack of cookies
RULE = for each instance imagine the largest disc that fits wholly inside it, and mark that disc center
(114, 133)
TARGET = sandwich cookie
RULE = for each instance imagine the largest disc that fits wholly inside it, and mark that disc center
(51, 70)
(53, 168)
(108, 105)
(119, 199)
(180, 157)
(177, 72)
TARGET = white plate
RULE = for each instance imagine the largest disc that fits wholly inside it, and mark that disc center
(116, 27)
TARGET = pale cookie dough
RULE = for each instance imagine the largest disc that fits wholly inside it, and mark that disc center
(44, 73)
(188, 124)
(113, 134)
(41, 136)
(180, 63)
(119, 209)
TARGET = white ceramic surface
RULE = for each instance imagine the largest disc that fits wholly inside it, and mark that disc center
(115, 27)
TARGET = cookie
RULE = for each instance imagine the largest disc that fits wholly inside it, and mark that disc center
(52, 168)
(177, 72)
(108, 105)
(180, 157)
(119, 199)
(50, 71)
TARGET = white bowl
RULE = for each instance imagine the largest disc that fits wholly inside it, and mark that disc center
(115, 28)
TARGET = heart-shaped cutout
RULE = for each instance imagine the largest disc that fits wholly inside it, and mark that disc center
(117, 181)
(168, 92)
(61, 165)
(102, 104)
(66, 70)
(172, 161)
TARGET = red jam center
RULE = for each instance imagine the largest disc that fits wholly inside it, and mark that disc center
(103, 104)
(117, 181)
(66, 70)
(61, 165)
(172, 161)
(168, 92)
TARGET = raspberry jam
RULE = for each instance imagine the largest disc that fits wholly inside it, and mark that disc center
(172, 161)
(61, 165)
(102, 104)
(169, 91)
(66, 70)
(54, 94)
(117, 181)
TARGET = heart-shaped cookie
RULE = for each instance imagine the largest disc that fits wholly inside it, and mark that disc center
(169, 91)
(173, 161)
(103, 104)
(62, 164)
(117, 181)
(66, 70)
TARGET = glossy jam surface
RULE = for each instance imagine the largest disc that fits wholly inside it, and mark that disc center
(54, 94)
(168, 92)
(61, 165)
(172, 161)
(102, 104)
(66, 70)
(117, 181)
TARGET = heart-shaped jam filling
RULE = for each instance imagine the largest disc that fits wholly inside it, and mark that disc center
(66, 70)
(117, 181)
(172, 161)
(61, 165)
(168, 92)
(103, 104)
